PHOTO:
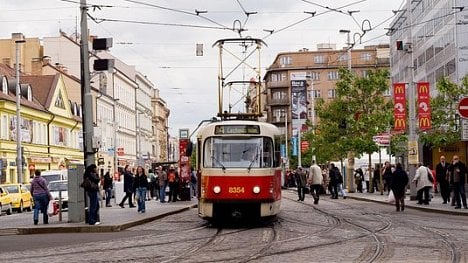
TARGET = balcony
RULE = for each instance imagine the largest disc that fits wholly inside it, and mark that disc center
(278, 102)
(278, 84)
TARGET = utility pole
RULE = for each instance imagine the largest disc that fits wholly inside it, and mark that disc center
(86, 97)
(19, 152)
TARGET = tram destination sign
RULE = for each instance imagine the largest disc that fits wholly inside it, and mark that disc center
(237, 129)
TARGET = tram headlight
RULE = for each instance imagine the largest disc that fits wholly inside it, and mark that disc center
(217, 189)
(256, 189)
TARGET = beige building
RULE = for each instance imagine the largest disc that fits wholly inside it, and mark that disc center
(318, 72)
(50, 125)
(160, 127)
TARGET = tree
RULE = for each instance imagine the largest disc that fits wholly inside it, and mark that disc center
(444, 114)
(359, 112)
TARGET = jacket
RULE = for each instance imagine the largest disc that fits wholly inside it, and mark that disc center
(421, 178)
(162, 177)
(315, 175)
(457, 173)
(39, 186)
(301, 180)
(441, 172)
(140, 181)
(128, 182)
(107, 181)
(399, 181)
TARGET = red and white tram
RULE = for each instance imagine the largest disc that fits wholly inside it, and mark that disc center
(239, 169)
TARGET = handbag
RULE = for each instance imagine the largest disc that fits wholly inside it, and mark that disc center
(51, 210)
(429, 176)
(391, 197)
(89, 185)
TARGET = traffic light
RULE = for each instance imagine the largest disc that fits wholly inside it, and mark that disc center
(102, 43)
(399, 45)
(103, 64)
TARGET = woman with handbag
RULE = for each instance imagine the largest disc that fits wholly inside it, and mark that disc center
(41, 196)
(90, 182)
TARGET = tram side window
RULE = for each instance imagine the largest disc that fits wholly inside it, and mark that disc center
(268, 150)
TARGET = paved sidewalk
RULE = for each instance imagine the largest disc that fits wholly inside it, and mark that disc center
(113, 219)
(435, 205)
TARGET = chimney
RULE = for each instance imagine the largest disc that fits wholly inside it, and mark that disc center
(17, 36)
(46, 60)
(36, 66)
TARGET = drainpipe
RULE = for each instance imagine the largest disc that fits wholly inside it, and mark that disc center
(48, 134)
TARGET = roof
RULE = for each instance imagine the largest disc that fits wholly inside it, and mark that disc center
(43, 87)
(8, 71)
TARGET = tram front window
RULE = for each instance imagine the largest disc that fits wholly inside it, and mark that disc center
(238, 152)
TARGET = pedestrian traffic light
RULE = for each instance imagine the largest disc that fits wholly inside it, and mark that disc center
(399, 45)
(102, 43)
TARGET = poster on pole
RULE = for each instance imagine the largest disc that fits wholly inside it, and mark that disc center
(399, 111)
(424, 106)
(413, 155)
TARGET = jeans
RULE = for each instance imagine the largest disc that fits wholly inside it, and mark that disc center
(141, 195)
(108, 192)
(460, 196)
(162, 193)
(41, 202)
(129, 196)
(93, 207)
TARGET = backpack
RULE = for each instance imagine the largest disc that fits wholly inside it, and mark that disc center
(171, 177)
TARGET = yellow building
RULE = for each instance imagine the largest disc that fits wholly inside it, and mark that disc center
(50, 125)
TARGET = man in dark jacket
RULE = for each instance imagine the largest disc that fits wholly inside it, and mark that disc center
(398, 185)
(334, 175)
(108, 188)
(457, 172)
(441, 177)
(301, 182)
(128, 187)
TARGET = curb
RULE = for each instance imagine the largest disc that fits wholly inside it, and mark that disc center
(420, 208)
(88, 228)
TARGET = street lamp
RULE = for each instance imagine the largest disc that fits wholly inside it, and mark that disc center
(115, 126)
(345, 31)
(19, 157)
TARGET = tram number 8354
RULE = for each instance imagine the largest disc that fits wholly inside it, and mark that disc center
(236, 190)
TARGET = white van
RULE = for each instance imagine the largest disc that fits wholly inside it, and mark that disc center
(55, 175)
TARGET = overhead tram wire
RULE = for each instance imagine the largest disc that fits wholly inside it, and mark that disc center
(313, 15)
(197, 13)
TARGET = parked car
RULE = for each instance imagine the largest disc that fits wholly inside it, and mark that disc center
(28, 186)
(21, 198)
(55, 187)
(5, 201)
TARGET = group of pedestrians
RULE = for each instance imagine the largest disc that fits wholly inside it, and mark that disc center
(451, 180)
(316, 180)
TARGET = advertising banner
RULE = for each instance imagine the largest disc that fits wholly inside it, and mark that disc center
(399, 111)
(424, 106)
(294, 142)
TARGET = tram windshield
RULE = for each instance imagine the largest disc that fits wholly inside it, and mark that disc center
(238, 152)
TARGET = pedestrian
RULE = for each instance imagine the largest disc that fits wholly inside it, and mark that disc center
(108, 188)
(315, 181)
(41, 196)
(340, 184)
(128, 187)
(92, 190)
(423, 184)
(193, 181)
(173, 180)
(333, 175)
(152, 182)
(457, 172)
(140, 186)
(162, 179)
(367, 178)
(387, 176)
(359, 178)
(301, 182)
(376, 178)
(398, 186)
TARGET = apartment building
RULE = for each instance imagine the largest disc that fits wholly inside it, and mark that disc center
(317, 73)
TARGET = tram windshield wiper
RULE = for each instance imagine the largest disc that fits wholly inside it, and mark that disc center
(253, 160)
(219, 162)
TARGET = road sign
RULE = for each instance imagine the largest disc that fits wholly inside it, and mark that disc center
(382, 139)
(463, 108)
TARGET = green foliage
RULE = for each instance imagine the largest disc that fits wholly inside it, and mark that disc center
(444, 114)
(360, 105)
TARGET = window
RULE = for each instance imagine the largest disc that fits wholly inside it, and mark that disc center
(279, 114)
(331, 93)
(319, 59)
(366, 57)
(343, 57)
(286, 60)
(333, 75)
(365, 73)
(313, 75)
(59, 103)
(316, 93)
(4, 85)
(238, 152)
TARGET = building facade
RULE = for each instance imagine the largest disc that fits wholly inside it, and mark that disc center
(317, 73)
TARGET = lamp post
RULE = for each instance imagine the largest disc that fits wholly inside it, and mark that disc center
(115, 126)
(350, 155)
(19, 157)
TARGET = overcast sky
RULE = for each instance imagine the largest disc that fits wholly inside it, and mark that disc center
(160, 37)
